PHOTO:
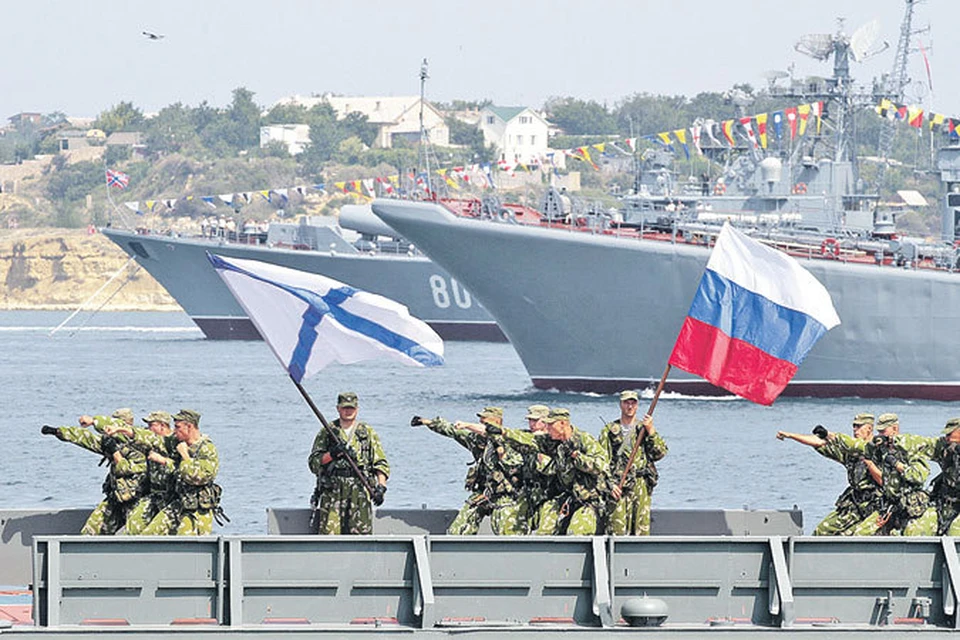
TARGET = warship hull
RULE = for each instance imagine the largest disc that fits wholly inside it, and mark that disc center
(181, 267)
(600, 312)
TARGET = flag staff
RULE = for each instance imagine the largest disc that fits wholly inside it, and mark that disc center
(636, 443)
(336, 437)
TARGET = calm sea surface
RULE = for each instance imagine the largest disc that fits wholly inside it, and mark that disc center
(723, 453)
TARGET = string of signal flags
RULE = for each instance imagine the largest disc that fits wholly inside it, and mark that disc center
(915, 116)
(758, 130)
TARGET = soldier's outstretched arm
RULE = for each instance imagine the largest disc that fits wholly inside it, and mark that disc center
(464, 438)
(803, 438)
(82, 437)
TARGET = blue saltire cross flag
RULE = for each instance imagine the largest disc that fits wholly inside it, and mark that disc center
(310, 321)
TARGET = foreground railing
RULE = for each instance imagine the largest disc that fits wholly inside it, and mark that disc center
(431, 582)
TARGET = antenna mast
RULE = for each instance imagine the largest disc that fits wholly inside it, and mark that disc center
(424, 137)
(893, 89)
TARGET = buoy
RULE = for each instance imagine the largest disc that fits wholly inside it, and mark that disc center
(719, 189)
(800, 188)
(830, 247)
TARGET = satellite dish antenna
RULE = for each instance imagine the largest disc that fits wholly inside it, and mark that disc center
(815, 45)
(863, 38)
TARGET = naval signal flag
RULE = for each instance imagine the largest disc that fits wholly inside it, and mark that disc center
(117, 179)
(755, 316)
(310, 321)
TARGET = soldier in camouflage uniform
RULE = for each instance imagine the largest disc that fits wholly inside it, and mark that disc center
(941, 516)
(580, 465)
(899, 463)
(629, 513)
(341, 503)
(538, 487)
(863, 495)
(126, 477)
(159, 480)
(193, 462)
(495, 479)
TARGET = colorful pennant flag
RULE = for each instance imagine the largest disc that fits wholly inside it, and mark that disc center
(762, 129)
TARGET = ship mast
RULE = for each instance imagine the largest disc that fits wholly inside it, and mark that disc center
(893, 90)
(424, 136)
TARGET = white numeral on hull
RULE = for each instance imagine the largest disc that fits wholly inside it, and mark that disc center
(442, 292)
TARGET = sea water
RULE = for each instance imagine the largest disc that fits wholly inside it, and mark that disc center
(723, 452)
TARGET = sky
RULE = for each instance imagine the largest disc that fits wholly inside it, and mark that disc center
(81, 57)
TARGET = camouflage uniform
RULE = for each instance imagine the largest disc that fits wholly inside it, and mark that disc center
(941, 517)
(631, 514)
(125, 480)
(580, 466)
(494, 480)
(905, 501)
(159, 490)
(860, 499)
(195, 497)
(343, 505)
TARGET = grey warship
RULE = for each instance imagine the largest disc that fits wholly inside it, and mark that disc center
(378, 262)
(595, 304)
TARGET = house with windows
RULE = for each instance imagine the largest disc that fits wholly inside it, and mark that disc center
(295, 137)
(519, 134)
(396, 117)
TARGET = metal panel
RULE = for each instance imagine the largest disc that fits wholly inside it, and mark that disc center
(329, 579)
(118, 578)
(866, 580)
(17, 529)
(699, 578)
(513, 579)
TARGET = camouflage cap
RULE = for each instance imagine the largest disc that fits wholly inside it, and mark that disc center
(557, 414)
(347, 399)
(491, 412)
(629, 395)
(124, 414)
(952, 425)
(187, 415)
(862, 418)
(158, 416)
(887, 419)
(537, 411)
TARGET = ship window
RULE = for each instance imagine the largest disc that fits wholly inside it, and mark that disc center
(953, 200)
(489, 119)
(139, 250)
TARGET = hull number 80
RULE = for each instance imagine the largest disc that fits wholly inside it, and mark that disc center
(443, 293)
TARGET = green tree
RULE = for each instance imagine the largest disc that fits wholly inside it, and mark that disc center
(172, 130)
(121, 117)
(581, 117)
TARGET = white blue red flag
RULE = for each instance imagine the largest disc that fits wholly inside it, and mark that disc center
(310, 320)
(117, 179)
(755, 316)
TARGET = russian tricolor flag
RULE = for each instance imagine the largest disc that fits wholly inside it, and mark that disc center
(755, 316)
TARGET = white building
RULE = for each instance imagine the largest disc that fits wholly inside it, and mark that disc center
(518, 133)
(396, 117)
(296, 137)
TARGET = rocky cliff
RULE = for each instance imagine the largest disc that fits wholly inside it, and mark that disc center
(63, 268)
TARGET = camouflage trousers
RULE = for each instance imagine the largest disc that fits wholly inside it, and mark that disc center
(848, 522)
(507, 516)
(553, 522)
(143, 512)
(630, 516)
(106, 519)
(926, 525)
(172, 520)
(344, 508)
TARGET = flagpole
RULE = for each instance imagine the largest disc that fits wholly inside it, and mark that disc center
(336, 436)
(637, 441)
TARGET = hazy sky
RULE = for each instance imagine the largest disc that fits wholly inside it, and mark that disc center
(81, 57)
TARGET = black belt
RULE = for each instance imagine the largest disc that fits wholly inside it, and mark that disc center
(341, 473)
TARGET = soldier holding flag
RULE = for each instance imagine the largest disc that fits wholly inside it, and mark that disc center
(342, 504)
